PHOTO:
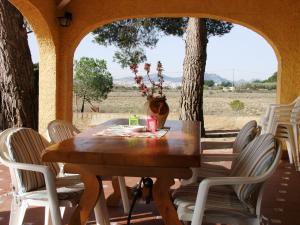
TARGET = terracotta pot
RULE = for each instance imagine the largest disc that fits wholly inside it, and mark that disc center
(158, 108)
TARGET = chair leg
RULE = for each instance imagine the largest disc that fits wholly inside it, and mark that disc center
(17, 212)
(289, 150)
(256, 222)
(296, 141)
(48, 220)
(62, 211)
(292, 143)
(124, 194)
(100, 210)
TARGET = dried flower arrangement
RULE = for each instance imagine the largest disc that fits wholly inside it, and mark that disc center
(146, 91)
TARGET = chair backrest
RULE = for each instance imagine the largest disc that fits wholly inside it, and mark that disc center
(4, 154)
(25, 145)
(59, 130)
(5, 158)
(248, 132)
(255, 160)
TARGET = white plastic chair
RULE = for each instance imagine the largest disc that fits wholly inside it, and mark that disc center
(35, 183)
(235, 199)
(278, 122)
(59, 130)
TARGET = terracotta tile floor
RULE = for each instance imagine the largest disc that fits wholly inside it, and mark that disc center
(281, 202)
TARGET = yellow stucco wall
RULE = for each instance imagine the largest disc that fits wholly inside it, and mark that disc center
(276, 20)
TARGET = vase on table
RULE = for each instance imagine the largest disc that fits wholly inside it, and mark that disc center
(158, 108)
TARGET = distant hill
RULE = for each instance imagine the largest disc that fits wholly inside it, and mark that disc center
(169, 81)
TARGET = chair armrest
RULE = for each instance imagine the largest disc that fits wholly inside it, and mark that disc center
(271, 108)
(284, 105)
(215, 145)
(218, 157)
(281, 105)
(50, 186)
(289, 123)
(26, 166)
(282, 109)
(216, 181)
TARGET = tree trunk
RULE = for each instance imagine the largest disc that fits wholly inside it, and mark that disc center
(18, 91)
(191, 101)
(82, 106)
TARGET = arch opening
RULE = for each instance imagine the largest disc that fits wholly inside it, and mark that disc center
(211, 113)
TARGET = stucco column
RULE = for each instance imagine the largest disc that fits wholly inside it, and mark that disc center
(288, 83)
(55, 85)
(47, 84)
(64, 83)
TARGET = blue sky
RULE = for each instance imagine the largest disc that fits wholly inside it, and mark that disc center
(242, 53)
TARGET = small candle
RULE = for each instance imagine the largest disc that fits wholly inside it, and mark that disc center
(151, 124)
(133, 120)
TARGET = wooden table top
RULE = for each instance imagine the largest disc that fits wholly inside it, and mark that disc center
(179, 148)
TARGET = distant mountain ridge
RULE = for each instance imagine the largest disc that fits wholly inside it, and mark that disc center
(172, 82)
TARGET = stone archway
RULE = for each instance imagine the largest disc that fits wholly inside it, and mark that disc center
(276, 21)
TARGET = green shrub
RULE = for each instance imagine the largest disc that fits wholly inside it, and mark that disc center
(209, 83)
(237, 105)
(258, 86)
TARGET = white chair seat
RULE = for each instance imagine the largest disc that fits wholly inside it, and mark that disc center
(68, 196)
(220, 200)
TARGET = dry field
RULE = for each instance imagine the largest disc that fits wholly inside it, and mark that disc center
(217, 111)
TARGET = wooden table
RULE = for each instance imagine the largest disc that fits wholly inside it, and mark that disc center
(166, 158)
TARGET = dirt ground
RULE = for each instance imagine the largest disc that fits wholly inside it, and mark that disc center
(217, 111)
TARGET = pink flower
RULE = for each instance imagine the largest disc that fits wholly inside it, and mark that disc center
(155, 86)
(147, 67)
(138, 79)
(134, 68)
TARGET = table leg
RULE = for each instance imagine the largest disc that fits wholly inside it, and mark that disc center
(162, 199)
(88, 199)
(114, 198)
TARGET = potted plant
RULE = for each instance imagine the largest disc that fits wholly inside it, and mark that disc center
(156, 104)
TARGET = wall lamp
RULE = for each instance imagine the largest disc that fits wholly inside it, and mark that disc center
(65, 20)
